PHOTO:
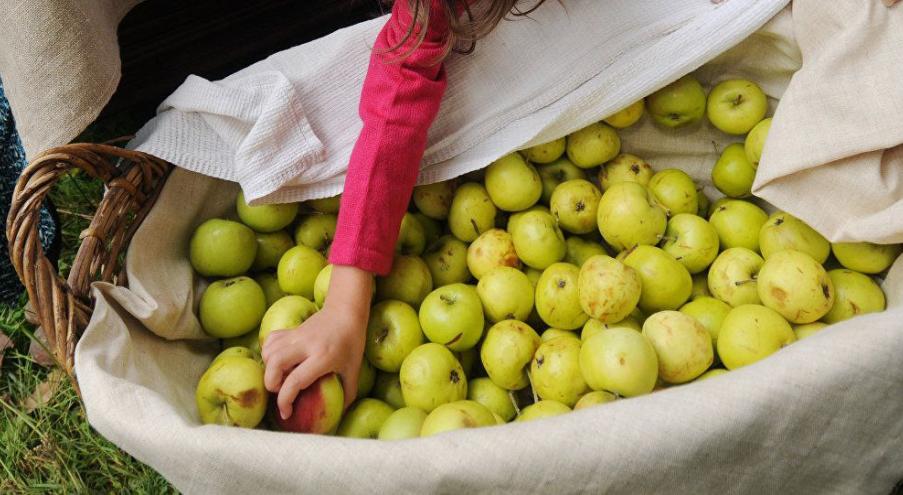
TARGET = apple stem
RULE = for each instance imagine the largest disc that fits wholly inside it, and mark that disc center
(747, 281)
(513, 402)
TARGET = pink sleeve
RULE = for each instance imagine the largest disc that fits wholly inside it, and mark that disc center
(399, 101)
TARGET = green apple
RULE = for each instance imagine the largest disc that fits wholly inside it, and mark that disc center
(735, 106)
(682, 344)
(692, 241)
(365, 379)
(408, 281)
(265, 218)
(628, 216)
(231, 393)
(700, 285)
(628, 116)
(666, 283)
(579, 250)
(511, 224)
(267, 281)
(557, 297)
(594, 398)
(796, 286)
(317, 409)
(452, 315)
(431, 376)
(593, 327)
(316, 231)
(298, 269)
(285, 314)
(411, 236)
(325, 205)
(732, 174)
(387, 388)
(751, 332)
(677, 104)
(555, 371)
(493, 397)
(733, 274)
(593, 145)
(447, 261)
(808, 329)
(402, 424)
(434, 200)
(674, 191)
(784, 231)
(755, 141)
(494, 248)
(708, 311)
(855, 294)
(472, 212)
(532, 275)
(546, 152)
(232, 307)
(270, 248)
(711, 373)
(393, 331)
(364, 419)
(561, 170)
(455, 416)
(537, 239)
(554, 333)
(506, 352)
(717, 204)
(321, 285)
(619, 360)
(738, 224)
(237, 351)
(512, 183)
(222, 248)
(249, 340)
(506, 294)
(625, 168)
(542, 409)
(432, 229)
(608, 290)
(865, 257)
(574, 204)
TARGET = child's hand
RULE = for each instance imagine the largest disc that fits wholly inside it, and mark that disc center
(332, 340)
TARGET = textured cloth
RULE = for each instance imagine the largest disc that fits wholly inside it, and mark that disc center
(399, 101)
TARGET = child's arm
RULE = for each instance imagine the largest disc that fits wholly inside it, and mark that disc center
(399, 102)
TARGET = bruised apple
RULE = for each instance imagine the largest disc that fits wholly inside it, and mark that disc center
(494, 248)
(447, 261)
(608, 290)
(434, 200)
(625, 168)
(231, 392)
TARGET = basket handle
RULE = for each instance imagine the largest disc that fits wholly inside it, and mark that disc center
(62, 306)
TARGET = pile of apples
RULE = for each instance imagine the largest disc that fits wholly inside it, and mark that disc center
(562, 276)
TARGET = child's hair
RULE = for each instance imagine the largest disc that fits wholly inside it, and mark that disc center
(479, 18)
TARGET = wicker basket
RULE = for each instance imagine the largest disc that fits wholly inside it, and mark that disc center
(63, 306)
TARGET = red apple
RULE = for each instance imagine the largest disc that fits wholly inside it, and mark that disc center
(317, 409)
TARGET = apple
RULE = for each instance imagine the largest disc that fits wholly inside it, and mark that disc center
(512, 183)
(387, 388)
(784, 231)
(678, 104)
(494, 248)
(408, 281)
(270, 248)
(249, 341)
(393, 331)
(455, 416)
(493, 397)
(593, 145)
(317, 409)
(434, 200)
(542, 409)
(751, 332)
(452, 315)
(285, 314)
(674, 191)
(619, 360)
(732, 174)
(222, 248)
(431, 376)
(682, 344)
(855, 294)
(554, 333)
(555, 371)
(735, 106)
(267, 281)
(708, 311)
(321, 285)
(574, 204)
(594, 326)
(755, 141)
(231, 393)
(628, 216)
(432, 229)
(738, 224)
(628, 116)
(364, 419)
(865, 257)
(704, 203)
(298, 269)
(594, 398)
(561, 170)
(796, 286)
(717, 204)
(365, 379)
(506, 294)
(625, 168)
(232, 307)
(700, 285)
(608, 290)
(514, 218)
(411, 236)
(711, 373)
(446, 260)
(733, 274)
(692, 241)
(506, 352)
(666, 283)
(325, 205)
(532, 275)
(472, 212)
(808, 329)
(316, 231)
(265, 218)
(546, 152)
(237, 351)
(579, 250)
(557, 297)
(537, 239)
(402, 424)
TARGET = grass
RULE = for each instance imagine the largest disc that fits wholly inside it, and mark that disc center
(52, 449)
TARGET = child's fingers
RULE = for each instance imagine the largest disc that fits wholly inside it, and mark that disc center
(280, 361)
(300, 378)
(349, 384)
